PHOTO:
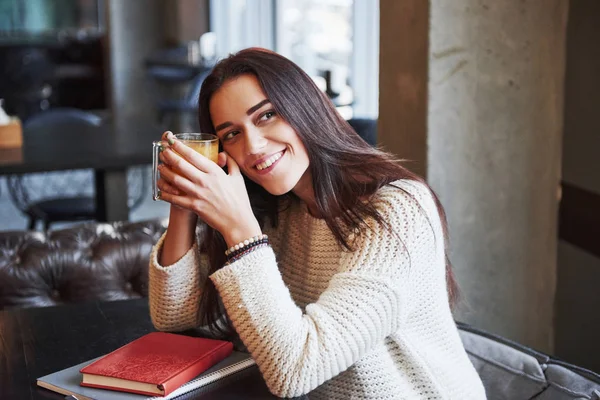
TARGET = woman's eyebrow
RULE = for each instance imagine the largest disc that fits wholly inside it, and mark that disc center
(250, 111)
(257, 106)
(223, 126)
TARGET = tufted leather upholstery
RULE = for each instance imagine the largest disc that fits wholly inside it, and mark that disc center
(93, 261)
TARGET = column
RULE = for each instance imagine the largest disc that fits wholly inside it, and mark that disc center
(136, 28)
(495, 119)
(477, 107)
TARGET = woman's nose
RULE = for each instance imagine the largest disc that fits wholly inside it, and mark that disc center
(255, 141)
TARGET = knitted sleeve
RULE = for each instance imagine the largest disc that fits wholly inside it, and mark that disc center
(364, 303)
(174, 291)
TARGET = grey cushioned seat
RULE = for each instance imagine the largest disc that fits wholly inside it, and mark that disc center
(515, 372)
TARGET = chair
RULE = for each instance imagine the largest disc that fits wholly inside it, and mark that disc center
(366, 128)
(28, 79)
(511, 370)
(71, 116)
(63, 196)
(170, 74)
(186, 106)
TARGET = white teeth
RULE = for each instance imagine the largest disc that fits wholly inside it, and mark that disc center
(268, 162)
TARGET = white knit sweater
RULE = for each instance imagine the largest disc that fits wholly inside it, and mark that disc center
(369, 324)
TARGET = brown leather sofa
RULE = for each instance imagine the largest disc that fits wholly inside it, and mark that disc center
(88, 262)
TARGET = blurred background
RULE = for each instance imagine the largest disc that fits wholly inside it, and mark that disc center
(494, 102)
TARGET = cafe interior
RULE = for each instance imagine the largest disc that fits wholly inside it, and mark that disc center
(494, 103)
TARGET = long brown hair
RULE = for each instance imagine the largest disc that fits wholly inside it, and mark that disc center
(344, 168)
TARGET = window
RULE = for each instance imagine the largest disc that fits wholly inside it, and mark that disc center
(334, 41)
(242, 23)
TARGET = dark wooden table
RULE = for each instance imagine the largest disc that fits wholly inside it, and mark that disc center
(109, 150)
(38, 341)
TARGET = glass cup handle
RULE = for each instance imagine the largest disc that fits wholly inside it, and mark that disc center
(155, 151)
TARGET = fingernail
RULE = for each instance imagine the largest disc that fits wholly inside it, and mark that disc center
(170, 138)
(161, 148)
(158, 193)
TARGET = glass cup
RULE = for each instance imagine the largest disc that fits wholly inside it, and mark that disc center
(204, 143)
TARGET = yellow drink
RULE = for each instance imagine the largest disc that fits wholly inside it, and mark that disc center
(208, 148)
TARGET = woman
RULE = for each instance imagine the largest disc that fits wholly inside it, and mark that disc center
(349, 296)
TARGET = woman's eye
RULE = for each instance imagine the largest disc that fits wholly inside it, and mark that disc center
(267, 115)
(230, 135)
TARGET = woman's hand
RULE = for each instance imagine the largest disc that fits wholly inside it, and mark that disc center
(191, 181)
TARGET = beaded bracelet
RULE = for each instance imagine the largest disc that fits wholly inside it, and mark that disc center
(245, 243)
(244, 252)
(251, 245)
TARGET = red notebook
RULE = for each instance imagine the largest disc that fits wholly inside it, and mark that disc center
(155, 364)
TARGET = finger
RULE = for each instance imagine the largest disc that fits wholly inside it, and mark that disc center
(222, 159)
(180, 165)
(196, 159)
(162, 158)
(177, 181)
(161, 154)
(165, 136)
(185, 168)
(232, 167)
(164, 186)
(179, 201)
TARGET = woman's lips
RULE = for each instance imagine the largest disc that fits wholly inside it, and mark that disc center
(268, 165)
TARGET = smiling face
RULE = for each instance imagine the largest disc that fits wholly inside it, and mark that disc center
(262, 143)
